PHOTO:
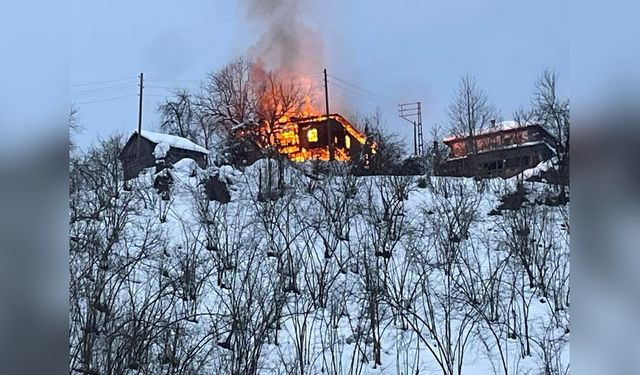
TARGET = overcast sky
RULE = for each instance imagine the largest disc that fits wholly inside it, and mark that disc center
(398, 51)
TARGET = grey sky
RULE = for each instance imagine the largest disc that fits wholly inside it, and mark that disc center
(402, 50)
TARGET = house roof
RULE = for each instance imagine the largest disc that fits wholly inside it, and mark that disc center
(499, 127)
(173, 141)
(519, 145)
(349, 128)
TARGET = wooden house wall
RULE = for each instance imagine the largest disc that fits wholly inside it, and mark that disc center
(338, 133)
(498, 163)
(137, 155)
(464, 146)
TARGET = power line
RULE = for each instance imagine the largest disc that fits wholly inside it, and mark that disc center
(369, 92)
(174, 89)
(97, 89)
(345, 93)
(359, 94)
(169, 79)
(314, 76)
(101, 82)
(105, 100)
(348, 93)
(190, 83)
(359, 103)
(385, 97)
(102, 92)
(167, 87)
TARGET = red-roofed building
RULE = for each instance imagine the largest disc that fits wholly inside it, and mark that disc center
(502, 150)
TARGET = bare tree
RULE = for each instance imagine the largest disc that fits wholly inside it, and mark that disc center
(382, 151)
(442, 314)
(74, 126)
(102, 263)
(470, 112)
(278, 96)
(177, 116)
(552, 111)
(229, 95)
(436, 151)
(523, 116)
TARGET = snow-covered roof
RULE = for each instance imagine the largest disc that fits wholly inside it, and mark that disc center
(516, 145)
(173, 141)
(499, 126)
(512, 124)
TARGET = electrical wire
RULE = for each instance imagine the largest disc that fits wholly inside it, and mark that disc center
(360, 104)
(105, 100)
(167, 87)
(109, 91)
(171, 80)
(95, 89)
(356, 96)
(314, 76)
(101, 82)
(385, 97)
(360, 95)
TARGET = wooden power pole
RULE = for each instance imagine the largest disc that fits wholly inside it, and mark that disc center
(139, 136)
(326, 99)
(140, 104)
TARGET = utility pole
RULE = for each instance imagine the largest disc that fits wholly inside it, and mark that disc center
(140, 104)
(326, 99)
(412, 112)
(139, 137)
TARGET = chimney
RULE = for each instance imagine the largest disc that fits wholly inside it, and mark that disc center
(493, 123)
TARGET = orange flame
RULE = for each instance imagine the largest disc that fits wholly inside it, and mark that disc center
(287, 100)
(285, 137)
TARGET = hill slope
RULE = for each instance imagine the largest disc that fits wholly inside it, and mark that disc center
(331, 274)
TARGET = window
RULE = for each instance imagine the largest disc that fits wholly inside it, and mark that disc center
(312, 135)
(347, 142)
(508, 140)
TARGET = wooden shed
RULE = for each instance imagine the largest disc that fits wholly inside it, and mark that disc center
(147, 149)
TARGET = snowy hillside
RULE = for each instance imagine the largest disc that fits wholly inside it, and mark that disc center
(310, 274)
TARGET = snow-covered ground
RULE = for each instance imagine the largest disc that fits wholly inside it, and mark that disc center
(335, 274)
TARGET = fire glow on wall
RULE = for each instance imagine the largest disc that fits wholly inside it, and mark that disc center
(308, 138)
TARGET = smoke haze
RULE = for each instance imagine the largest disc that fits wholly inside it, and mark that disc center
(287, 44)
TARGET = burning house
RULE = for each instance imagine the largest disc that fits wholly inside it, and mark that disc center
(282, 58)
(503, 150)
(311, 137)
